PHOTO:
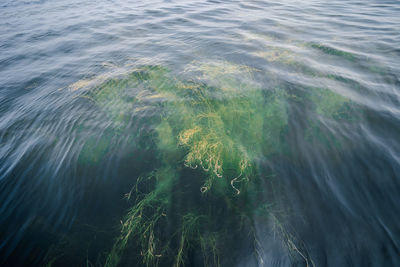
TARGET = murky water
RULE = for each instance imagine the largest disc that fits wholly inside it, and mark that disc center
(199, 133)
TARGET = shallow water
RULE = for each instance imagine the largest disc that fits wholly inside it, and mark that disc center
(71, 147)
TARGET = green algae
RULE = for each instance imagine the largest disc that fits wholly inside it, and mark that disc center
(113, 99)
(326, 106)
(208, 137)
(148, 219)
(332, 51)
(328, 103)
(218, 124)
(144, 217)
(94, 150)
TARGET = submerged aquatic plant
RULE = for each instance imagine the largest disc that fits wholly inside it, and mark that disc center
(208, 135)
(144, 217)
(219, 124)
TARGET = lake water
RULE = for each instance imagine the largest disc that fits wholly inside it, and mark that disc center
(199, 133)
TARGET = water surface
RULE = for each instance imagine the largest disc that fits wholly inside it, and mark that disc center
(69, 155)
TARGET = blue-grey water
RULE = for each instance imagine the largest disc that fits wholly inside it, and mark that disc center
(342, 203)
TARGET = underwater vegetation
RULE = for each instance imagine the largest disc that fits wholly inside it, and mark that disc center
(209, 134)
(218, 130)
